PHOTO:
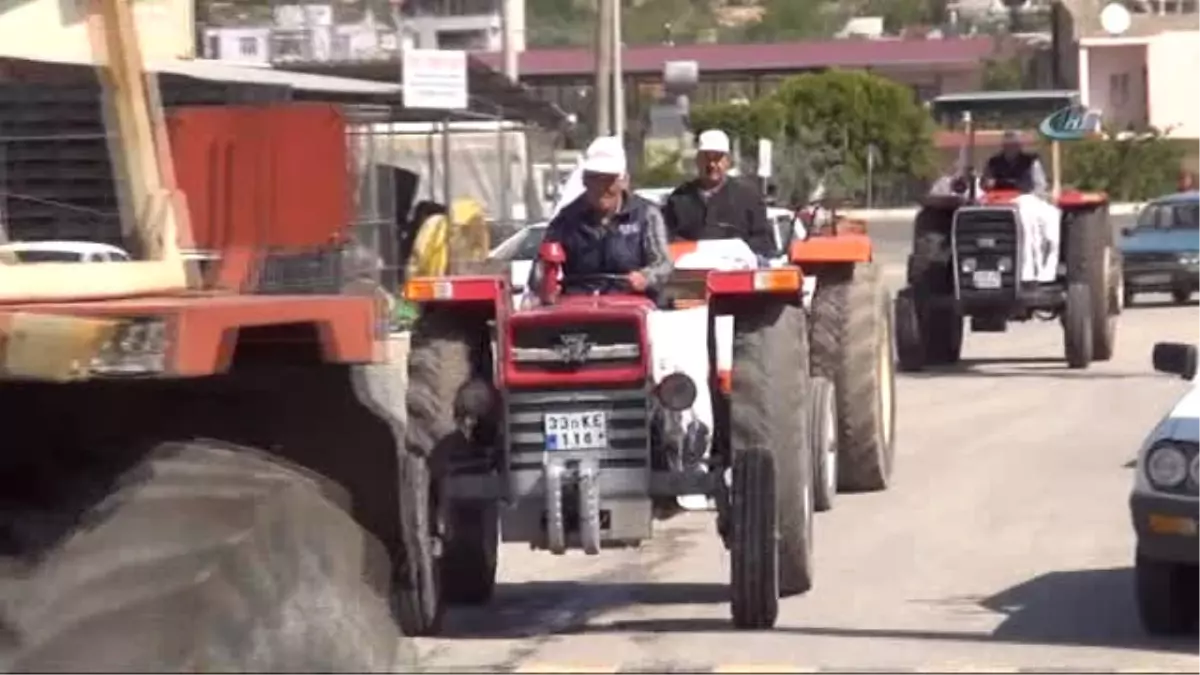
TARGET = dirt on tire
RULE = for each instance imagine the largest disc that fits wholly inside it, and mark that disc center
(768, 411)
(208, 556)
(851, 342)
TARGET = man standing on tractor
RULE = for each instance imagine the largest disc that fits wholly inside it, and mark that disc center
(614, 241)
(715, 205)
(1014, 169)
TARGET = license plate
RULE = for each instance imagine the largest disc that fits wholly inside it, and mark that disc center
(1154, 279)
(986, 279)
(576, 430)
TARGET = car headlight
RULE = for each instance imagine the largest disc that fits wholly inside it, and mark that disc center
(1166, 467)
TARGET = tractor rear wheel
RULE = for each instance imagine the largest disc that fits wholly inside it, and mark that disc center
(213, 556)
(767, 412)
(852, 346)
(444, 355)
(1093, 261)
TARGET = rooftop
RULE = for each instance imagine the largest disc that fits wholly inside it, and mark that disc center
(777, 57)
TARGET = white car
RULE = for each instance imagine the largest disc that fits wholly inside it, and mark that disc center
(1163, 505)
(63, 251)
(518, 251)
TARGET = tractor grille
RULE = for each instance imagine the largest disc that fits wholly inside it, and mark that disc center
(627, 429)
(986, 240)
(572, 345)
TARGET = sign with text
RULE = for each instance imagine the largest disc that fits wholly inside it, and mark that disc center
(435, 79)
(1070, 124)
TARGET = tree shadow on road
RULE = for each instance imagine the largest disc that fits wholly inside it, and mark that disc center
(1023, 367)
(1083, 608)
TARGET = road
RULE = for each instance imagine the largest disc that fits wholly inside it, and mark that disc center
(1003, 544)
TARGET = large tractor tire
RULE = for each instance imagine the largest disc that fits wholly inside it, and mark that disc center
(1078, 339)
(444, 355)
(1093, 261)
(910, 341)
(767, 412)
(852, 347)
(208, 556)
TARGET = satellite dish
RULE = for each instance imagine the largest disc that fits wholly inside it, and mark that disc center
(1115, 19)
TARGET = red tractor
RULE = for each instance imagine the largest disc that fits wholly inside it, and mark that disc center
(554, 413)
(969, 249)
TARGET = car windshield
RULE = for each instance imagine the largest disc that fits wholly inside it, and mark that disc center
(47, 256)
(1170, 216)
(523, 246)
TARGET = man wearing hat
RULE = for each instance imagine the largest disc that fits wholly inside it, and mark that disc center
(1014, 169)
(715, 205)
(607, 230)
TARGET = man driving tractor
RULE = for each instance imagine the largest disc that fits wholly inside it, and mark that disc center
(715, 205)
(615, 241)
(1014, 169)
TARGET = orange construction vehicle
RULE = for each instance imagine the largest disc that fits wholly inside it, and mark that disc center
(202, 467)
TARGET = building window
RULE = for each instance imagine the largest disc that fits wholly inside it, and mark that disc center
(462, 39)
(1118, 89)
(248, 46)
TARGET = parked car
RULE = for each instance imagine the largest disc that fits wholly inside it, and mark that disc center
(1162, 251)
(63, 251)
(518, 251)
(1163, 505)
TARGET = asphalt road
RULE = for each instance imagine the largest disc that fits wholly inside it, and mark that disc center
(1004, 543)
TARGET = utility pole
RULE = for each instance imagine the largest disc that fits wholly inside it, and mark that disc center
(604, 62)
(618, 74)
(508, 26)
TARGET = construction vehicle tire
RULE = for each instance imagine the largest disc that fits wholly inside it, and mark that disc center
(443, 356)
(768, 411)
(209, 556)
(852, 347)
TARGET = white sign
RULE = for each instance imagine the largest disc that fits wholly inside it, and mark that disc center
(764, 158)
(435, 79)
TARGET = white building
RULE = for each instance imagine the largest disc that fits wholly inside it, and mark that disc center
(303, 33)
(474, 25)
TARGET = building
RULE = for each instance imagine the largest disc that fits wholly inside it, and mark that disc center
(1137, 79)
(303, 33)
(473, 25)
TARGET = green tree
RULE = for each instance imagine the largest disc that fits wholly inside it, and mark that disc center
(900, 14)
(790, 20)
(824, 124)
(647, 22)
(1129, 167)
(559, 23)
(1003, 75)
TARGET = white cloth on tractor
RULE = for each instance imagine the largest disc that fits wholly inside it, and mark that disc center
(1041, 224)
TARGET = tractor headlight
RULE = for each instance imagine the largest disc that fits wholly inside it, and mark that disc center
(1194, 471)
(968, 265)
(676, 391)
(1189, 258)
(1167, 467)
(138, 347)
(1004, 264)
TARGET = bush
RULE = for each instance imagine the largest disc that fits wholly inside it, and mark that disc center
(1129, 167)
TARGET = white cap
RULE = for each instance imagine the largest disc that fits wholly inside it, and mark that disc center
(713, 140)
(605, 155)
